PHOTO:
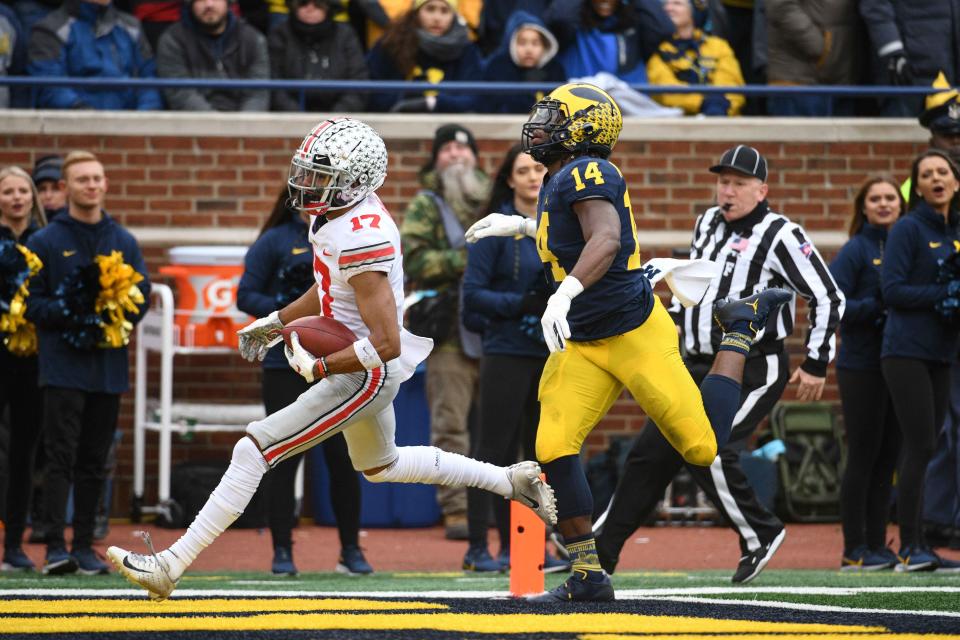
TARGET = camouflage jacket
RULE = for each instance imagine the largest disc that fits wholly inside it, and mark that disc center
(428, 260)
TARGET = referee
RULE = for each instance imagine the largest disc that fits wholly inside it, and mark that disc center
(757, 248)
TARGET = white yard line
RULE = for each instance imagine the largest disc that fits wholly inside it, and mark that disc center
(807, 607)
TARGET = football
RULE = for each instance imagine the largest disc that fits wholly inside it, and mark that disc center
(320, 335)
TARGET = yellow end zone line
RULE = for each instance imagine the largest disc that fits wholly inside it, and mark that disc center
(572, 623)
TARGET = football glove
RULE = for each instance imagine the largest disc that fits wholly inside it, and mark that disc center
(257, 337)
(301, 360)
(498, 224)
(554, 323)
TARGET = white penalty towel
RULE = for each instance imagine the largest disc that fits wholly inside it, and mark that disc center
(687, 279)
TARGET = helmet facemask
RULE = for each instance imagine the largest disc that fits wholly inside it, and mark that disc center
(564, 134)
(545, 131)
(316, 187)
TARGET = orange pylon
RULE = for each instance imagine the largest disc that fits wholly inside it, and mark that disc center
(527, 548)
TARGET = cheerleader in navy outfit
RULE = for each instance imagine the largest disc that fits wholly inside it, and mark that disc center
(920, 337)
(20, 216)
(873, 436)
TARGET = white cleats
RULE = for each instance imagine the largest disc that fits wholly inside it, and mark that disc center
(147, 571)
(529, 490)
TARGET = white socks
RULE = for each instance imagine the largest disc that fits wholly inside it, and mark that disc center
(430, 465)
(226, 503)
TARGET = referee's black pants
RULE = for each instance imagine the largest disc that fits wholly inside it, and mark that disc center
(652, 464)
(281, 387)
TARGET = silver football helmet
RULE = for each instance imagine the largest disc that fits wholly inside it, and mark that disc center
(338, 164)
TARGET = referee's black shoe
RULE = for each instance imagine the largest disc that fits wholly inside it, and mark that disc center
(753, 563)
(752, 311)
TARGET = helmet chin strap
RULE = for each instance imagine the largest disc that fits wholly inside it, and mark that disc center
(302, 204)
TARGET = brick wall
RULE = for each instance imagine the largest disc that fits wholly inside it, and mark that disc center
(181, 179)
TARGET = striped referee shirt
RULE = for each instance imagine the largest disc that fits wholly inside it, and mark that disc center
(761, 250)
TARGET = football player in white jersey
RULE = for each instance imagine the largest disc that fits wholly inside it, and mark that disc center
(333, 176)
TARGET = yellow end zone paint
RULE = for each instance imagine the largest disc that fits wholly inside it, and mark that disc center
(579, 623)
(98, 606)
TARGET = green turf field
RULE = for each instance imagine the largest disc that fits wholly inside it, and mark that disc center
(389, 606)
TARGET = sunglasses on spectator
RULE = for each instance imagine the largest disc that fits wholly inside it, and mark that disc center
(319, 4)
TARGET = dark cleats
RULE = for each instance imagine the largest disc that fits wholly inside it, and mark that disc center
(750, 312)
(576, 588)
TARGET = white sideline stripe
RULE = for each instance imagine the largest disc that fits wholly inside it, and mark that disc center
(810, 607)
(628, 594)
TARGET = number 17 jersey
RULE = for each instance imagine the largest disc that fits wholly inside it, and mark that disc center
(622, 299)
(365, 239)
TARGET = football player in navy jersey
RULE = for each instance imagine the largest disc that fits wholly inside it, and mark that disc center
(605, 328)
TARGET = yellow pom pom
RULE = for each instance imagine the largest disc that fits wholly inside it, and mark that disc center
(118, 296)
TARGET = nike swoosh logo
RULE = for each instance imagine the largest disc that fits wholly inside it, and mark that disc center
(67, 254)
(126, 563)
(299, 250)
(326, 253)
(935, 245)
(533, 504)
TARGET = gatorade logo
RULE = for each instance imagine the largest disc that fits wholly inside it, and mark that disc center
(220, 295)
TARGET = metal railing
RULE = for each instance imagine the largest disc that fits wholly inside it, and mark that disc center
(478, 87)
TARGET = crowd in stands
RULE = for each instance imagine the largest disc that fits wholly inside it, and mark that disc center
(660, 42)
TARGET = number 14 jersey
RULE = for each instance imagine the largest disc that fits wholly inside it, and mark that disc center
(622, 299)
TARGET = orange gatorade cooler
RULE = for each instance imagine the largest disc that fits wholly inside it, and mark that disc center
(206, 280)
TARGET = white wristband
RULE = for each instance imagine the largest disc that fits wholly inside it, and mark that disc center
(366, 354)
(570, 287)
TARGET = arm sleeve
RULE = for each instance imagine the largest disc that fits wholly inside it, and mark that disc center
(799, 263)
(882, 26)
(791, 18)
(170, 64)
(591, 179)
(48, 58)
(845, 271)
(478, 297)
(256, 99)
(259, 267)
(366, 247)
(898, 259)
